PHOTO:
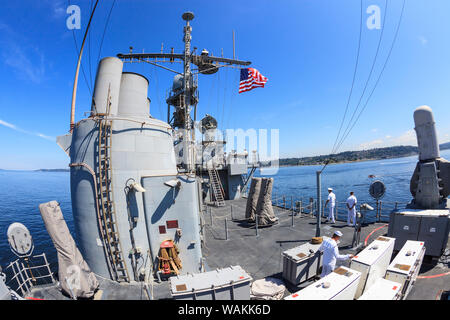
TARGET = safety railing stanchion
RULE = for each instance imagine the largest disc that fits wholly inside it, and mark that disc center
(292, 217)
(210, 217)
(226, 229)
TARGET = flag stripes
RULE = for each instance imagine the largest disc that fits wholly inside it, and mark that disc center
(250, 79)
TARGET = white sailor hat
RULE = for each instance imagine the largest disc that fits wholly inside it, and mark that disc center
(338, 233)
(330, 189)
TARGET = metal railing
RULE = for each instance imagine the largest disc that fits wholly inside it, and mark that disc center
(295, 209)
(26, 273)
(309, 206)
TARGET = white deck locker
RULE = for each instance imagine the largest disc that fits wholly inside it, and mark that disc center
(406, 265)
(372, 262)
(341, 284)
(383, 289)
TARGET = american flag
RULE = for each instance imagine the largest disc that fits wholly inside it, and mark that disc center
(250, 79)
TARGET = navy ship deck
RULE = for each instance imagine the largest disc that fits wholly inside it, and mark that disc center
(260, 255)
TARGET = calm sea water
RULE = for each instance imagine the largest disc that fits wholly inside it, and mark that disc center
(299, 183)
(21, 192)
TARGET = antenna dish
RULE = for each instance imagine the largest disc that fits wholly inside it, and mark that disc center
(20, 240)
(188, 16)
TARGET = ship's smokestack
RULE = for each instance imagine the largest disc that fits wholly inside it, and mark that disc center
(133, 101)
(107, 82)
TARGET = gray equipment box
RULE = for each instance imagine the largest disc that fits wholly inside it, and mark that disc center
(434, 232)
(302, 263)
(430, 226)
(231, 283)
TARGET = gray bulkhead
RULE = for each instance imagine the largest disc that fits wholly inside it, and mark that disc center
(141, 151)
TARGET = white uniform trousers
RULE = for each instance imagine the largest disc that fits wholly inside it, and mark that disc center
(351, 216)
(331, 213)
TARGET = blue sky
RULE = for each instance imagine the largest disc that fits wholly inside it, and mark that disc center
(307, 49)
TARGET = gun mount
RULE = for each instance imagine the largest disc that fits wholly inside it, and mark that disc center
(430, 183)
(427, 217)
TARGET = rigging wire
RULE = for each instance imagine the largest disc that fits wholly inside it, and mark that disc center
(381, 73)
(89, 50)
(104, 31)
(76, 53)
(155, 72)
(354, 77)
(211, 89)
(224, 97)
(218, 95)
(75, 83)
(235, 81)
(347, 132)
(368, 78)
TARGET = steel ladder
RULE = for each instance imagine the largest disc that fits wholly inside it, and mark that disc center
(109, 228)
(216, 186)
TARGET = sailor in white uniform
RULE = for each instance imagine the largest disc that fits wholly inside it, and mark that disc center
(331, 254)
(332, 200)
(351, 206)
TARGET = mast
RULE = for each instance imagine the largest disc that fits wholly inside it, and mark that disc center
(187, 139)
(184, 98)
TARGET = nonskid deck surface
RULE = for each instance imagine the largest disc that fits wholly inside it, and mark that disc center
(108, 290)
(261, 257)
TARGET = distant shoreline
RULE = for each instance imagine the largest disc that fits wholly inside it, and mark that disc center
(343, 157)
(352, 156)
(36, 170)
(344, 161)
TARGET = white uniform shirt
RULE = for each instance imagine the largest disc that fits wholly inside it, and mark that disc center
(332, 199)
(330, 251)
(352, 201)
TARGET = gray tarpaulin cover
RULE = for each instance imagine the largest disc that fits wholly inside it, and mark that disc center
(267, 289)
(264, 209)
(71, 266)
(252, 199)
